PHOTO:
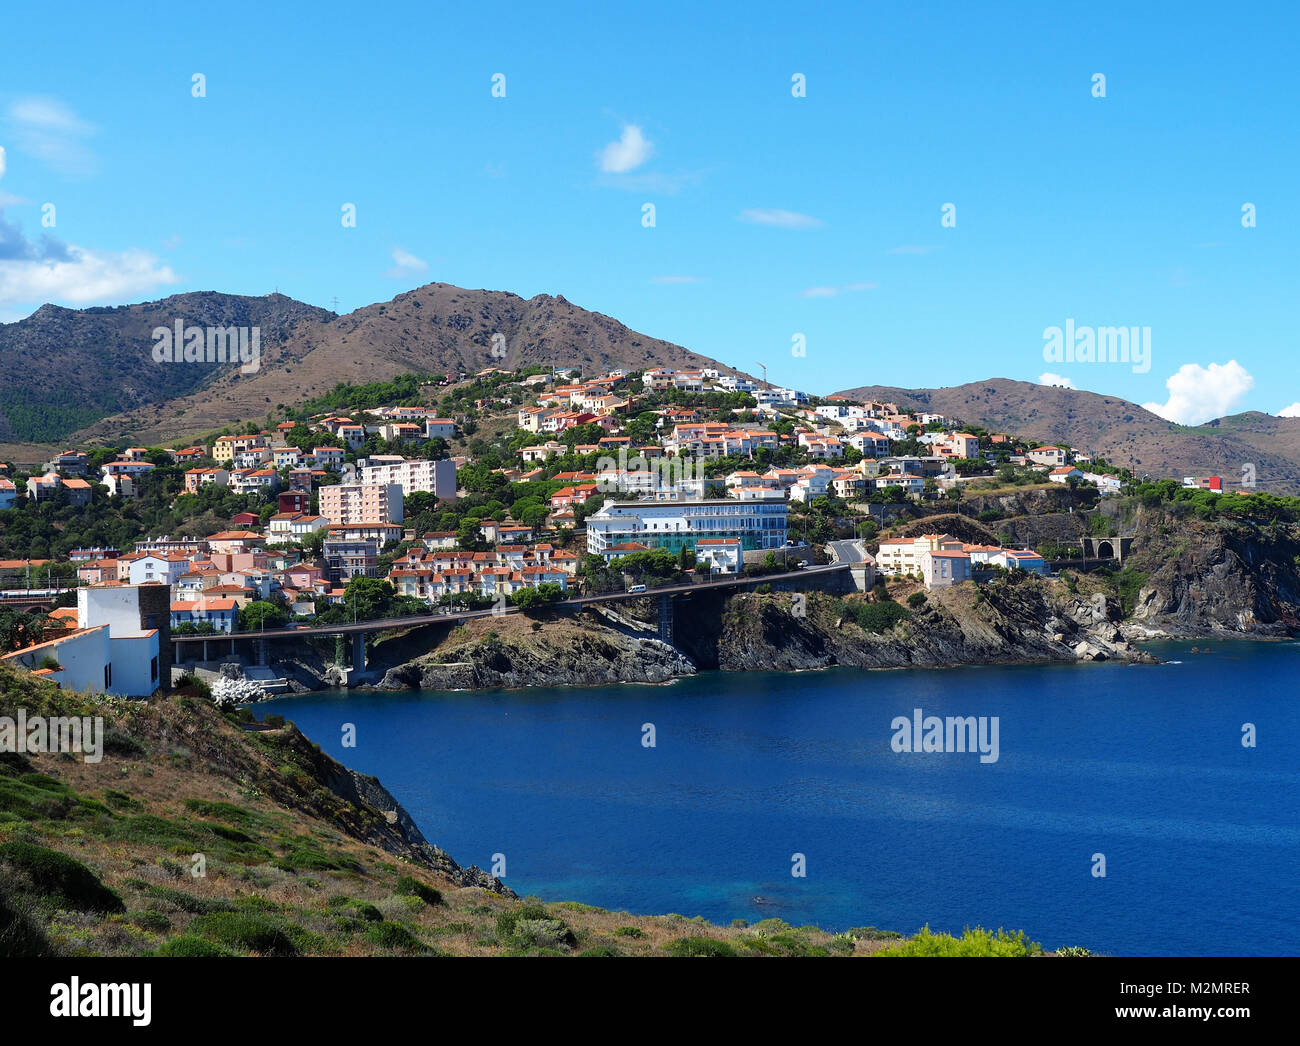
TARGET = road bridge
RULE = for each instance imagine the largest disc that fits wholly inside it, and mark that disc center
(257, 643)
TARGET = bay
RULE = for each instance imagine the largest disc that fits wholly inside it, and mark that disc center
(1142, 764)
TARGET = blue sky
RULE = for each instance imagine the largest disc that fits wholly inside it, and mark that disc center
(774, 215)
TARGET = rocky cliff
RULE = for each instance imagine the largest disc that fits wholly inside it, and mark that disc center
(1013, 620)
(1195, 577)
(509, 652)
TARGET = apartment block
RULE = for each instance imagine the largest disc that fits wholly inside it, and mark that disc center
(429, 477)
(349, 503)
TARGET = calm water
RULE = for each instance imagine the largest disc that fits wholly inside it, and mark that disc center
(1142, 764)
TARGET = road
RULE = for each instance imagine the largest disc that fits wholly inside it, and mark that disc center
(291, 632)
(850, 551)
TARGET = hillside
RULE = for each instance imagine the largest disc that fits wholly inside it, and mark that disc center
(1120, 431)
(63, 369)
(99, 359)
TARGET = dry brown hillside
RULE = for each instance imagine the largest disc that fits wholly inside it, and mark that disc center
(434, 329)
(1121, 431)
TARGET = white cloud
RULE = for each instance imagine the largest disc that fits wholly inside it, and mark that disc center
(1048, 378)
(82, 277)
(628, 153)
(407, 264)
(677, 279)
(1197, 394)
(48, 130)
(779, 218)
(1292, 411)
(832, 292)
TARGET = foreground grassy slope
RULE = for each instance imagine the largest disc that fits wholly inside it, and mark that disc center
(300, 856)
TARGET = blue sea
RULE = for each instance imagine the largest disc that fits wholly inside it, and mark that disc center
(1143, 765)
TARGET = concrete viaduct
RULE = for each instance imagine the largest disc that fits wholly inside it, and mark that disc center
(840, 576)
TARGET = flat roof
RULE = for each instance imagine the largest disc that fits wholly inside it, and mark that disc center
(678, 502)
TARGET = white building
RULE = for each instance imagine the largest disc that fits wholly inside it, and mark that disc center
(723, 555)
(673, 525)
(429, 477)
(163, 568)
(114, 648)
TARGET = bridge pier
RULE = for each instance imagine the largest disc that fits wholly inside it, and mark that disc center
(358, 651)
(666, 629)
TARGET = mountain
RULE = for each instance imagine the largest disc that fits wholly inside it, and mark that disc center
(1120, 431)
(62, 369)
(88, 375)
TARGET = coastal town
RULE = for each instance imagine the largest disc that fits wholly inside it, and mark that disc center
(497, 490)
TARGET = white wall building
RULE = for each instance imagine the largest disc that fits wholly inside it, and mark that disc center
(429, 477)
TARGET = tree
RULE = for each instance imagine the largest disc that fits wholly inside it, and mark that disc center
(467, 534)
(259, 615)
(531, 598)
(18, 630)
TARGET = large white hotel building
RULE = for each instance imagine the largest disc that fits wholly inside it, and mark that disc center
(672, 525)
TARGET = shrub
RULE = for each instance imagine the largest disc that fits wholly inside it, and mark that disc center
(979, 943)
(20, 936)
(629, 931)
(254, 933)
(1074, 951)
(393, 936)
(151, 920)
(916, 599)
(119, 800)
(308, 859)
(700, 947)
(189, 947)
(603, 951)
(366, 912)
(63, 879)
(875, 617)
(118, 743)
(531, 925)
(409, 885)
(872, 933)
(220, 811)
